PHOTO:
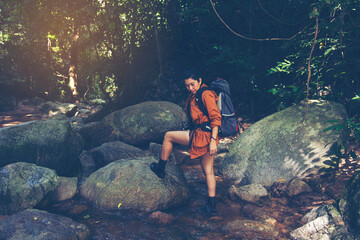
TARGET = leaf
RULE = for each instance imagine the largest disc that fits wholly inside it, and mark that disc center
(330, 163)
(353, 154)
(357, 97)
(326, 170)
(333, 121)
(329, 128)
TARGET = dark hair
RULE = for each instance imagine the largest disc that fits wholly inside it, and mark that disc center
(190, 74)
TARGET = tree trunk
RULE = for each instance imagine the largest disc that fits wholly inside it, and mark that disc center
(74, 53)
(132, 84)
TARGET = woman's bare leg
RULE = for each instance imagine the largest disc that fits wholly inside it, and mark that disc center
(180, 137)
(207, 164)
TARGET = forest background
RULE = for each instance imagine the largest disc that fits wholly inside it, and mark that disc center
(273, 53)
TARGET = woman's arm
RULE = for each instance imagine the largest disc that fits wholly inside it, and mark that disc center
(213, 146)
(209, 99)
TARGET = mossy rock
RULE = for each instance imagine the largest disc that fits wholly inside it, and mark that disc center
(132, 185)
(349, 204)
(24, 185)
(53, 144)
(36, 224)
(135, 125)
(282, 146)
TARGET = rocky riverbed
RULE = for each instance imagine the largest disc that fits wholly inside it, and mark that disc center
(251, 212)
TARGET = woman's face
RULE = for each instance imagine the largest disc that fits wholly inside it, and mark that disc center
(192, 85)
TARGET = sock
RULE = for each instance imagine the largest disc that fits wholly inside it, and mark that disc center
(212, 202)
(162, 164)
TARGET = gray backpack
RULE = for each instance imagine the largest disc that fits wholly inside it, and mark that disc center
(229, 126)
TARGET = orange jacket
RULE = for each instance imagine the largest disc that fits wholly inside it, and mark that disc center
(201, 139)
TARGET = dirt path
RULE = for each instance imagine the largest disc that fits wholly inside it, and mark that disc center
(22, 113)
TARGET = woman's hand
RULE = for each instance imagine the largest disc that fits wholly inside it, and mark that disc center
(212, 147)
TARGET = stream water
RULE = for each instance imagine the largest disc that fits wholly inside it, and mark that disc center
(282, 213)
(188, 223)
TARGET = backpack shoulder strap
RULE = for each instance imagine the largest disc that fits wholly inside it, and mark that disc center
(199, 101)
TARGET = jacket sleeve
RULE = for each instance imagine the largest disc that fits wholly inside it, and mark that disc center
(209, 99)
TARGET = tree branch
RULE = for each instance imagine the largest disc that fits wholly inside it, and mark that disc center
(309, 67)
(249, 38)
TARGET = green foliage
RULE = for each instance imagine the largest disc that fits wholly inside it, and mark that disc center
(350, 131)
(131, 49)
(334, 75)
(336, 155)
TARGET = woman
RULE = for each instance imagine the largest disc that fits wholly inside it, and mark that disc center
(202, 141)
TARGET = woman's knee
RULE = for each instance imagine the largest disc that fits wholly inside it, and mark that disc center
(209, 172)
(207, 163)
(168, 136)
(180, 137)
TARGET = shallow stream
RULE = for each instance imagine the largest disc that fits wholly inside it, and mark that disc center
(188, 223)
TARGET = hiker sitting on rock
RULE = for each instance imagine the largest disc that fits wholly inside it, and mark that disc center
(202, 137)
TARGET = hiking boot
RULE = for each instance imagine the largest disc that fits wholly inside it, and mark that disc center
(209, 209)
(157, 170)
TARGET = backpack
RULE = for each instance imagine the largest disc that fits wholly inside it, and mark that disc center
(229, 126)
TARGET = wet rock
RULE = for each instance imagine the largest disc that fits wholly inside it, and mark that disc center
(224, 145)
(297, 186)
(98, 101)
(59, 110)
(132, 185)
(280, 146)
(52, 144)
(87, 164)
(278, 189)
(258, 213)
(24, 185)
(113, 151)
(161, 218)
(250, 229)
(66, 189)
(218, 157)
(251, 193)
(78, 209)
(135, 125)
(35, 101)
(323, 222)
(306, 200)
(349, 204)
(95, 134)
(36, 224)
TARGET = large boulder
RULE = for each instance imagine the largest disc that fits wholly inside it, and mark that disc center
(36, 224)
(135, 125)
(251, 193)
(349, 204)
(24, 185)
(324, 222)
(67, 189)
(112, 151)
(281, 146)
(131, 184)
(53, 144)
